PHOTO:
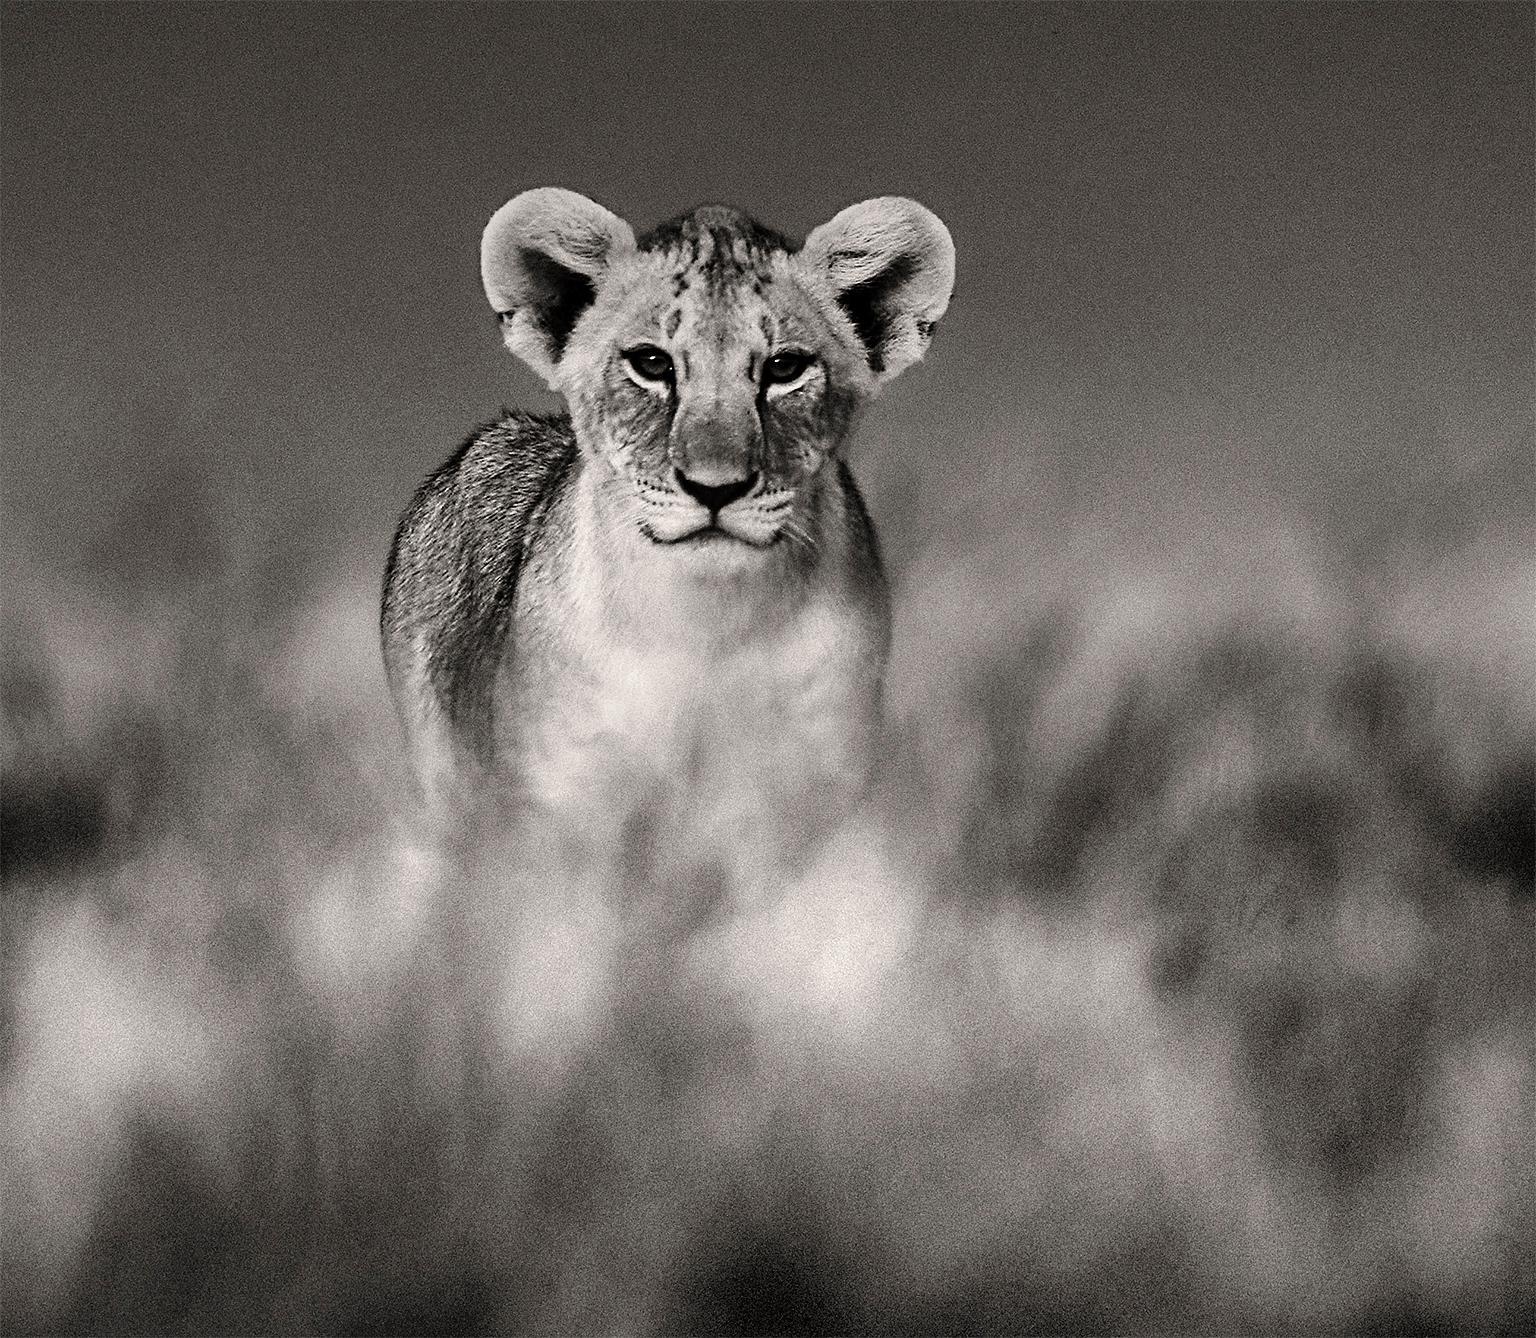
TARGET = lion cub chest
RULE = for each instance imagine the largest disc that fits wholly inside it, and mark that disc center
(737, 730)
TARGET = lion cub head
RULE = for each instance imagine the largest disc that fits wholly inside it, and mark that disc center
(712, 366)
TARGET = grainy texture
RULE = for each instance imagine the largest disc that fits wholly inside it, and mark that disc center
(1179, 978)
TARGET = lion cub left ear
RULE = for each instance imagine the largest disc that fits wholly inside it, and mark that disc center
(891, 266)
(541, 257)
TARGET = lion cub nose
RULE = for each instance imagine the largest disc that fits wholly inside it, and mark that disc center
(716, 496)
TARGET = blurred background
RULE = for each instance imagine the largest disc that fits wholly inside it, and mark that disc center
(1178, 976)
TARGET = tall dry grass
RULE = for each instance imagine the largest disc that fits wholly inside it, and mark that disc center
(1177, 975)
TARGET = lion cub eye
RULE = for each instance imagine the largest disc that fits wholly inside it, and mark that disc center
(785, 366)
(649, 362)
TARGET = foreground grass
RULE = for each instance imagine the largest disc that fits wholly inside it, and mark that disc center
(1177, 976)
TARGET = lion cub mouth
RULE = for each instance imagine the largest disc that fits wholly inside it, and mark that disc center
(707, 535)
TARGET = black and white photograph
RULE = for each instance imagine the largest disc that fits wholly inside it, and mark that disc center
(702, 668)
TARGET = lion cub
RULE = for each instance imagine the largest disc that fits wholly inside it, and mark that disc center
(675, 590)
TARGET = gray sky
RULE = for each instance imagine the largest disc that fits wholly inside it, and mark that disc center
(1288, 247)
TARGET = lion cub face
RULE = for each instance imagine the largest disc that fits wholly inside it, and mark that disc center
(711, 366)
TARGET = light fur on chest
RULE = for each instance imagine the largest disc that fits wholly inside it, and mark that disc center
(768, 713)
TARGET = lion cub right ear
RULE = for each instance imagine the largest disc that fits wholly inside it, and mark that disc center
(540, 259)
(890, 265)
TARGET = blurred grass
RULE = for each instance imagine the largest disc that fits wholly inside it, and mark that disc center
(1177, 976)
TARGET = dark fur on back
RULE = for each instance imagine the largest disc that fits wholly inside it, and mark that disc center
(451, 580)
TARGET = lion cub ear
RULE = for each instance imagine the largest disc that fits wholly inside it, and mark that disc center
(541, 257)
(891, 267)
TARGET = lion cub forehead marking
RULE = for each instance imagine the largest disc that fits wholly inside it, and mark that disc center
(718, 245)
(737, 319)
(709, 274)
(719, 266)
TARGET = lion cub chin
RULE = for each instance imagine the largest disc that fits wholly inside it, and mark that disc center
(664, 612)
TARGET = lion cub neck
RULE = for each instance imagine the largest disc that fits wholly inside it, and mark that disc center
(712, 598)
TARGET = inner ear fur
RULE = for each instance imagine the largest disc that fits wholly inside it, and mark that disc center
(541, 257)
(890, 264)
